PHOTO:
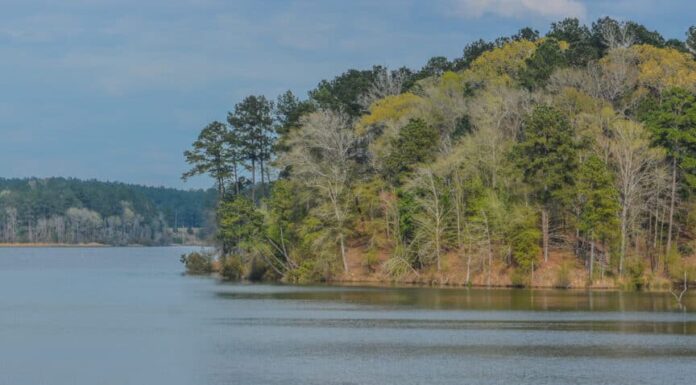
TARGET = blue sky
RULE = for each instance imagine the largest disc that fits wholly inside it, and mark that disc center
(118, 89)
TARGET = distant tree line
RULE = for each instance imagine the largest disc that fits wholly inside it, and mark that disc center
(60, 210)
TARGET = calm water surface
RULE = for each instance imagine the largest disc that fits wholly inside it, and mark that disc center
(127, 316)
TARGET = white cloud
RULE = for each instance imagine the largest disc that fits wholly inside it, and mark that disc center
(548, 9)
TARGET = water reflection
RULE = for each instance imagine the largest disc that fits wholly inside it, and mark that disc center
(467, 299)
(128, 316)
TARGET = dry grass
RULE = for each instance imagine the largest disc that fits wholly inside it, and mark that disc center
(453, 272)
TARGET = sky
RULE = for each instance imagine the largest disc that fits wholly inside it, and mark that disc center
(118, 89)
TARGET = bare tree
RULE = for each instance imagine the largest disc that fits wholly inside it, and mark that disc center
(385, 83)
(322, 157)
(431, 219)
(617, 34)
(691, 39)
(634, 159)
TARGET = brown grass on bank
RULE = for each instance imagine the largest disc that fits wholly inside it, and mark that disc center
(562, 269)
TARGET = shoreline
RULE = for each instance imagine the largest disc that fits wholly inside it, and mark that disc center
(85, 245)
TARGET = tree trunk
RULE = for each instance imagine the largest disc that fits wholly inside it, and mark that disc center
(263, 180)
(490, 251)
(545, 232)
(671, 211)
(236, 178)
(343, 253)
(624, 230)
(592, 257)
(339, 225)
(253, 181)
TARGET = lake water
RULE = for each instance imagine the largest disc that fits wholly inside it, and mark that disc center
(127, 316)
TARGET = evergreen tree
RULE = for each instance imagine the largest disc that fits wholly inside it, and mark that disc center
(211, 155)
(416, 143)
(673, 124)
(539, 67)
(598, 201)
(253, 121)
(547, 157)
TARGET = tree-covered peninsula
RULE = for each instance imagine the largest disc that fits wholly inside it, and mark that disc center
(567, 159)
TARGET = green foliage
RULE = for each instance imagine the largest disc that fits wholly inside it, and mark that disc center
(371, 260)
(288, 111)
(635, 273)
(197, 263)
(210, 155)
(406, 206)
(251, 135)
(460, 161)
(673, 124)
(240, 224)
(284, 210)
(64, 210)
(525, 237)
(584, 46)
(232, 268)
(598, 199)
(519, 278)
(546, 153)
(563, 277)
(545, 59)
(416, 143)
(343, 92)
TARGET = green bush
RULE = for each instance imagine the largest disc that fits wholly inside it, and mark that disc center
(232, 268)
(685, 249)
(519, 278)
(305, 273)
(635, 269)
(371, 260)
(563, 280)
(197, 263)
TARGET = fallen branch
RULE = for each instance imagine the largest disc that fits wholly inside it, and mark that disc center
(680, 296)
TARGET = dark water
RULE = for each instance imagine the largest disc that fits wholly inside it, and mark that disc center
(127, 316)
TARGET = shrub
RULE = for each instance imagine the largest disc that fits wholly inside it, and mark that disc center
(519, 278)
(308, 271)
(371, 260)
(563, 280)
(685, 249)
(635, 269)
(232, 268)
(197, 263)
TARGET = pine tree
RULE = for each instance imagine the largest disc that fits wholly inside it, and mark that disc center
(547, 157)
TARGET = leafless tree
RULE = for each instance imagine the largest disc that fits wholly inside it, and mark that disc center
(634, 159)
(322, 157)
(385, 83)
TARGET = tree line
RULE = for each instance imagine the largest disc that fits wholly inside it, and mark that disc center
(578, 146)
(62, 210)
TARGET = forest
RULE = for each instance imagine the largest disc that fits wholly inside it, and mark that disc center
(72, 211)
(566, 159)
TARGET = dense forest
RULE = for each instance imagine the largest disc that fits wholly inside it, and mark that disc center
(60, 210)
(567, 159)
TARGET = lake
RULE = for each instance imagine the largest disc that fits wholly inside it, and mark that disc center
(128, 316)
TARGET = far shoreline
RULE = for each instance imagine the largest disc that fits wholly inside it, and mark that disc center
(86, 245)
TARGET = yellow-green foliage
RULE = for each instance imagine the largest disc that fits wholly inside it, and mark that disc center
(662, 68)
(468, 162)
(396, 108)
(503, 64)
